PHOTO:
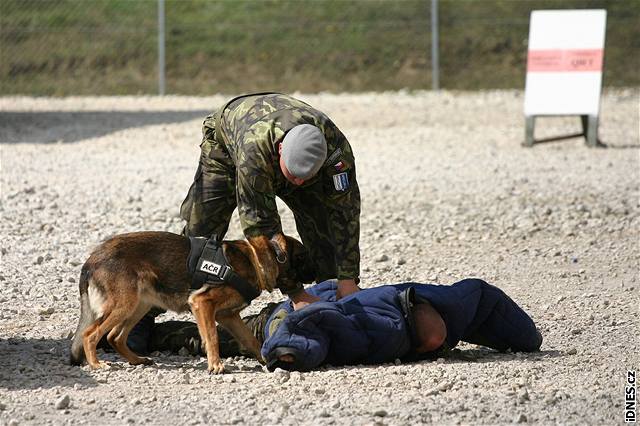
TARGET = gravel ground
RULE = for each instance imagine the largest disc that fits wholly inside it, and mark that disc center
(448, 193)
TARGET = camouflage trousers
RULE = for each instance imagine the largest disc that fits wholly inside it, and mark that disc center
(211, 200)
(175, 335)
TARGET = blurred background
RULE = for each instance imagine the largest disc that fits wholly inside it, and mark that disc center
(110, 47)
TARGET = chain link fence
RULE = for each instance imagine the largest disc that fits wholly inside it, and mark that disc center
(107, 47)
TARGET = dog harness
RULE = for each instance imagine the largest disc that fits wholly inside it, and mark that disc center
(208, 265)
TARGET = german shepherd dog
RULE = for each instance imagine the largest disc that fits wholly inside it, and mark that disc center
(128, 274)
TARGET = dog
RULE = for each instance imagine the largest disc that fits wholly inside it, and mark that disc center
(128, 274)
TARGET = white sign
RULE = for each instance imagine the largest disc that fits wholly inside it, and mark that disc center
(564, 63)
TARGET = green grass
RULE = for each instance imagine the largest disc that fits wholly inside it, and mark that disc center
(65, 47)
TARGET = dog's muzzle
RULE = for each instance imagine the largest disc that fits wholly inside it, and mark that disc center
(301, 270)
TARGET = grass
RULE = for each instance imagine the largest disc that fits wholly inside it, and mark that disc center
(65, 47)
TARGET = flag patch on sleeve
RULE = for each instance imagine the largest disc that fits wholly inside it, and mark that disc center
(341, 181)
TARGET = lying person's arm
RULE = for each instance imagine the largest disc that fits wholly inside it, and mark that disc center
(479, 313)
(500, 323)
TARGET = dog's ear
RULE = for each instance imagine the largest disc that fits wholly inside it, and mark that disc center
(279, 244)
(264, 262)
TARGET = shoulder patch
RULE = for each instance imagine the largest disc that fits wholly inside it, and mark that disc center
(341, 181)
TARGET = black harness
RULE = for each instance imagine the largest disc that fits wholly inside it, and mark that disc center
(208, 265)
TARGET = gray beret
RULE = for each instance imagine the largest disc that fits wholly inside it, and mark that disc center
(304, 150)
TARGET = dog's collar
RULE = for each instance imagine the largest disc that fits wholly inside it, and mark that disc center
(208, 265)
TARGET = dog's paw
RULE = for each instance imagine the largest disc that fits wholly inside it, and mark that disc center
(147, 361)
(101, 365)
(216, 367)
(141, 361)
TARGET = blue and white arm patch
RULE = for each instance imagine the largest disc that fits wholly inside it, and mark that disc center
(341, 181)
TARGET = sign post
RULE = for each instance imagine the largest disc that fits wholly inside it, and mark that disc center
(435, 48)
(564, 68)
(161, 53)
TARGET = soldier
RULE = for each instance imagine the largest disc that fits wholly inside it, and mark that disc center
(260, 146)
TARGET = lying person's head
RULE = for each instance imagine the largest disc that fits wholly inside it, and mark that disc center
(430, 329)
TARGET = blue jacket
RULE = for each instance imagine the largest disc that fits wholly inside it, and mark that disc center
(374, 325)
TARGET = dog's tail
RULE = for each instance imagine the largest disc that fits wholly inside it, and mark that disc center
(87, 316)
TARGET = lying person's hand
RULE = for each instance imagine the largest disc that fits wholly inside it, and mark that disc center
(287, 358)
(301, 298)
(346, 287)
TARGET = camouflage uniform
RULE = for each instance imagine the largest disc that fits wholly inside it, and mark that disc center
(239, 165)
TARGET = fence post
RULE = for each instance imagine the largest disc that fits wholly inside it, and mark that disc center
(161, 83)
(435, 54)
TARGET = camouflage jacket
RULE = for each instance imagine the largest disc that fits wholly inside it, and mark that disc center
(251, 128)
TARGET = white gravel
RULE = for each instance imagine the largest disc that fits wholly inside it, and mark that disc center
(448, 193)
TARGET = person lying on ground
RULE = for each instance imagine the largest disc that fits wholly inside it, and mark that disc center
(409, 321)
